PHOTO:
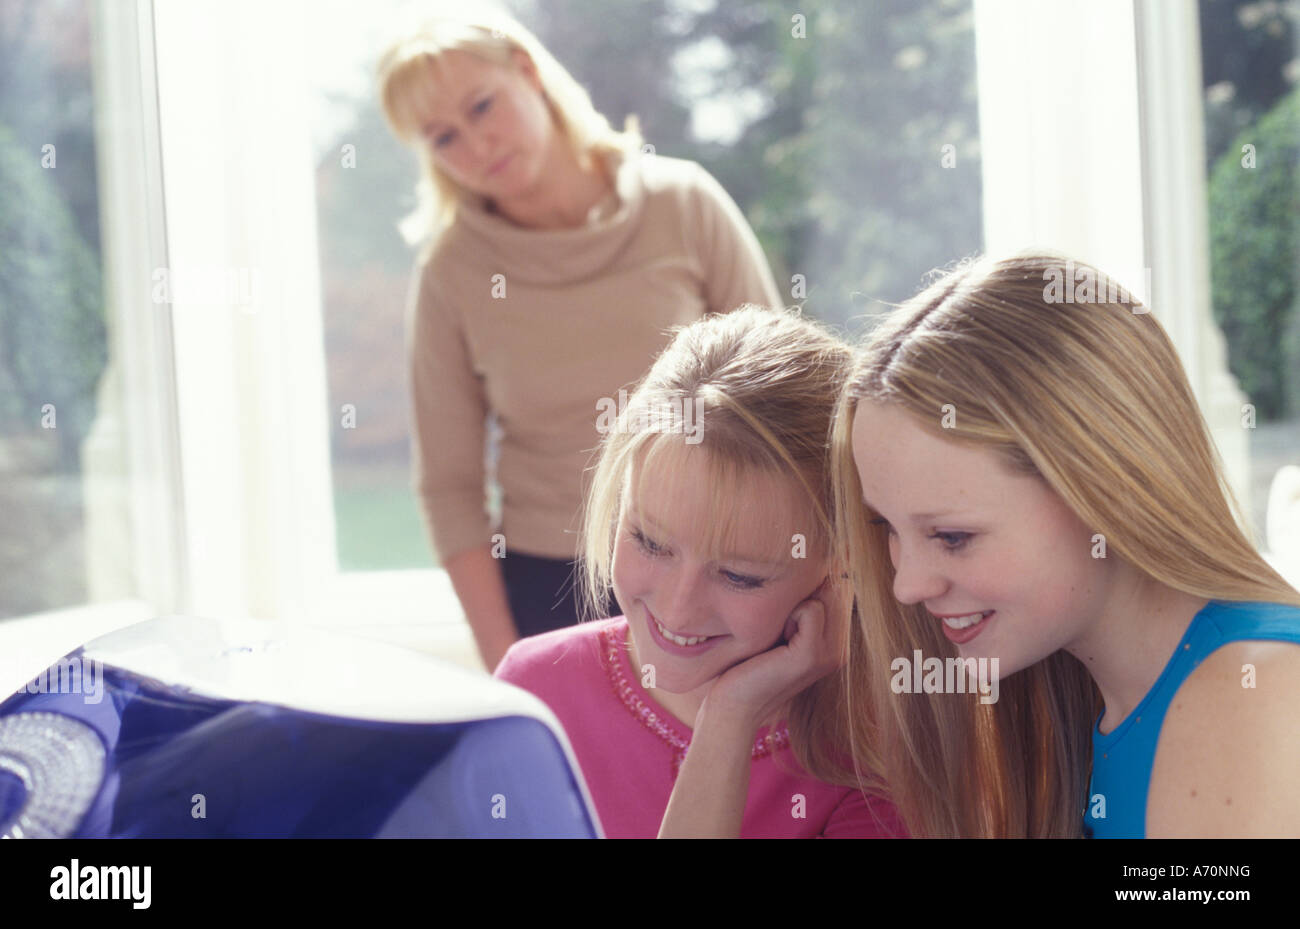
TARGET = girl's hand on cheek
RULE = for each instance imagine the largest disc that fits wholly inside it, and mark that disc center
(812, 646)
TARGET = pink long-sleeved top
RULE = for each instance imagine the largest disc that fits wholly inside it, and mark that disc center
(630, 748)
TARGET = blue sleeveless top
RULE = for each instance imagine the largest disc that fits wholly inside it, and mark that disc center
(1122, 760)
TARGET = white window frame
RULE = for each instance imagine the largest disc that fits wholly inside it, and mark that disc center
(1178, 224)
(1092, 143)
(252, 384)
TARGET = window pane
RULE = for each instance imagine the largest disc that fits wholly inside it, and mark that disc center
(365, 182)
(65, 535)
(847, 133)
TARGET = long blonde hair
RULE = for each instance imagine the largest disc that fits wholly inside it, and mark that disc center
(1090, 397)
(765, 380)
(408, 80)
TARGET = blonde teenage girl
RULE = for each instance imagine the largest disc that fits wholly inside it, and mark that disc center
(709, 519)
(1024, 478)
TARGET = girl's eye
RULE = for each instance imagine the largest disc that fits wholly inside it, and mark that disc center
(952, 540)
(881, 521)
(650, 548)
(444, 139)
(739, 581)
(742, 581)
(482, 106)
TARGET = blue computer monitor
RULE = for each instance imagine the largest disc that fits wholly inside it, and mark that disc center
(183, 727)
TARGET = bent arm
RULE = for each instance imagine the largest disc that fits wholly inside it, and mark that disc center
(708, 798)
(448, 429)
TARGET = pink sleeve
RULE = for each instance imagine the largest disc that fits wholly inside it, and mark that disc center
(859, 817)
(546, 665)
(511, 668)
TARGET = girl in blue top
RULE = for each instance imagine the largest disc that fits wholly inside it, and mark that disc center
(1026, 484)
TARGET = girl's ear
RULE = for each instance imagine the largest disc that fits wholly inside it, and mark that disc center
(822, 590)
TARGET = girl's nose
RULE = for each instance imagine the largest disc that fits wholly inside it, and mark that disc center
(681, 601)
(915, 579)
(480, 142)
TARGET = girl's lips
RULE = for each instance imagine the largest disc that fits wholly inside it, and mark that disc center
(962, 636)
(672, 647)
(499, 166)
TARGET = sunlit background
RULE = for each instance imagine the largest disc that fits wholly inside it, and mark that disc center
(830, 146)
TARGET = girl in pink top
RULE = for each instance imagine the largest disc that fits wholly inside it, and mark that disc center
(708, 516)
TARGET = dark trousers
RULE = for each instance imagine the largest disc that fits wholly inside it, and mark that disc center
(543, 593)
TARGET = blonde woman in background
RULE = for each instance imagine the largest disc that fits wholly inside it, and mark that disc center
(556, 257)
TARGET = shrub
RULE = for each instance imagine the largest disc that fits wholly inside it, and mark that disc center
(1255, 257)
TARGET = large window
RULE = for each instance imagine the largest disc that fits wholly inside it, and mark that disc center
(87, 440)
(244, 451)
(58, 410)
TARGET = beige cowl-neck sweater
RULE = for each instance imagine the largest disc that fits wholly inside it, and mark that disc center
(537, 325)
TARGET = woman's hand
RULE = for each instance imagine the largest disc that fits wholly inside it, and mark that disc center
(708, 798)
(813, 645)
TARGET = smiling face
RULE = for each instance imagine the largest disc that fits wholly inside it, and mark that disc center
(997, 552)
(488, 126)
(692, 615)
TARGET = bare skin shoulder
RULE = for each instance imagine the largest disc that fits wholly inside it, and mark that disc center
(1230, 748)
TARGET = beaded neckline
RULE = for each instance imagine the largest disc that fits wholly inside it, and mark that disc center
(613, 654)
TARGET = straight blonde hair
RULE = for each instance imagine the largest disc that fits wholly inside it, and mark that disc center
(408, 80)
(765, 380)
(1090, 397)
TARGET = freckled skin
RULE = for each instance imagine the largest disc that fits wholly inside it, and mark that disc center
(1005, 542)
(1027, 555)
